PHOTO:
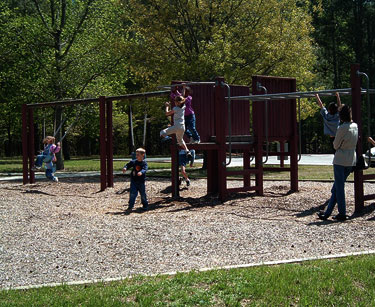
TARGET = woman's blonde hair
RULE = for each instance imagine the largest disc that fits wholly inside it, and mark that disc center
(48, 138)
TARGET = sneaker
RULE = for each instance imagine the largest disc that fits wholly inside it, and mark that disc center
(188, 182)
(166, 139)
(129, 208)
(196, 142)
(144, 208)
(180, 181)
(340, 217)
(35, 168)
(191, 140)
(321, 216)
(55, 179)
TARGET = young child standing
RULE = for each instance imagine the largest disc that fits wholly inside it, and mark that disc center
(190, 131)
(331, 117)
(178, 127)
(137, 178)
(182, 161)
(48, 157)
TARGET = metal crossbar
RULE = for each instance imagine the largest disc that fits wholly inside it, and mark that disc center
(294, 95)
(187, 83)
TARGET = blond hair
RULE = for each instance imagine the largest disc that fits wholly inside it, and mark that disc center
(141, 150)
(48, 138)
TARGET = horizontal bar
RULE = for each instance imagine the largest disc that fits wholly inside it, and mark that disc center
(62, 103)
(368, 176)
(369, 197)
(243, 172)
(293, 95)
(244, 189)
(276, 169)
(185, 83)
(138, 95)
(91, 100)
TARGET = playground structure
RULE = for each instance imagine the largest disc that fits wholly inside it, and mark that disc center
(223, 121)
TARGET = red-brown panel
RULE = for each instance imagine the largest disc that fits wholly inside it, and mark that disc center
(204, 107)
(280, 112)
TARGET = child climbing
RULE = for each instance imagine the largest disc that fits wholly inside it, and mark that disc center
(182, 161)
(178, 127)
(137, 178)
(331, 117)
(190, 131)
(48, 157)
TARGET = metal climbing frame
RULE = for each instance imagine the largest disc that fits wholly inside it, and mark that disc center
(106, 132)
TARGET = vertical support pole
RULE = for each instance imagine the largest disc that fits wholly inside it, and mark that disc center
(258, 127)
(109, 145)
(220, 129)
(356, 112)
(174, 169)
(246, 165)
(31, 144)
(25, 146)
(103, 145)
(212, 173)
(293, 146)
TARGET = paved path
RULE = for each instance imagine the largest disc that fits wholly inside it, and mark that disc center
(305, 160)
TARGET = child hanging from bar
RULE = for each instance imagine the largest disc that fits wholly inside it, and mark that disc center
(331, 117)
(178, 127)
(137, 179)
(48, 157)
(190, 131)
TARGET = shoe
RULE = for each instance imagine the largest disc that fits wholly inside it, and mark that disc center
(180, 181)
(55, 179)
(191, 140)
(129, 208)
(321, 216)
(340, 217)
(35, 168)
(196, 142)
(188, 183)
(166, 139)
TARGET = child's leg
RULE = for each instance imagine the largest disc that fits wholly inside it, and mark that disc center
(142, 191)
(180, 137)
(133, 194)
(187, 126)
(183, 171)
(39, 160)
(192, 128)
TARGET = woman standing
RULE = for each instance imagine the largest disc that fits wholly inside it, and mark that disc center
(345, 158)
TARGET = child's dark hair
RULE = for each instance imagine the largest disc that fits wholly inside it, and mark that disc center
(180, 100)
(346, 113)
(332, 108)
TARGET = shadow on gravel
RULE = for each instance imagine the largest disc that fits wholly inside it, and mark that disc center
(312, 210)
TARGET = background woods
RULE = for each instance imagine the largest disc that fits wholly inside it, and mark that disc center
(53, 50)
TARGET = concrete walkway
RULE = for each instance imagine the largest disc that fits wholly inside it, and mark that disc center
(305, 160)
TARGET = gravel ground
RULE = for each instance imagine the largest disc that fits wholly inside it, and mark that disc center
(69, 231)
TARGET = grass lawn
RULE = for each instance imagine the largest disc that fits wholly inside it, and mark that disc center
(340, 282)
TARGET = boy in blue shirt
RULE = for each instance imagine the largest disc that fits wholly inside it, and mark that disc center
(331, 117)
(137, 178)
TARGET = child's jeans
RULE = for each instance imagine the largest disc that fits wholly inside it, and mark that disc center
(39, 160)
(191, 131)
(179, 130)
(134, 188)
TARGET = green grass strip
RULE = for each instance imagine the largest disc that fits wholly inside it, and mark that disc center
(339, 282)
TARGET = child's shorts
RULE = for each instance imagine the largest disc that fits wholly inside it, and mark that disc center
(182, 159)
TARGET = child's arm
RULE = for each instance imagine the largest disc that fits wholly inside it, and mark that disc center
(144, 169)
(128, 165)
(55, 148)
(168, 112)
(320, 104)
(339, 104)
(371, 141)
